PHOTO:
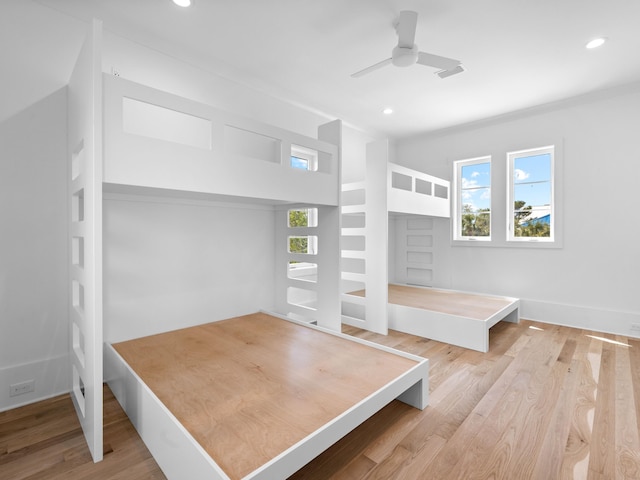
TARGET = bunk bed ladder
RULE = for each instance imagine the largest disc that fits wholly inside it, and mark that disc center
(85, 269)
(364, 244)
(352, 252)
(307, 287)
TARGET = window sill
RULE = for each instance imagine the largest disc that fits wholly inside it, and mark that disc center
(508, 244)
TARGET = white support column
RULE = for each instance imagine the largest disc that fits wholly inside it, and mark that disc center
(85, 203)
(376, 249)
(328, 314)
(312, 295)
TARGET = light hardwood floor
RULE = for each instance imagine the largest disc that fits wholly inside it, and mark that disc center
(546, 402)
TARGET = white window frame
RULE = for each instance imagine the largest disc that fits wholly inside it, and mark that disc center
(457, 203)
(553, 239)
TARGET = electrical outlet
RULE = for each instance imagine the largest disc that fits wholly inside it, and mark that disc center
(22, 388)
(635, 327)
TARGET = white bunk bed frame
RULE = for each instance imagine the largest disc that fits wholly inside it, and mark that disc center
(389, 188)
(211, 162)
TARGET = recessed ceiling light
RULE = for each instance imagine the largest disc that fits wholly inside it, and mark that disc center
(387, 111)
(596, 42)
(183, 3)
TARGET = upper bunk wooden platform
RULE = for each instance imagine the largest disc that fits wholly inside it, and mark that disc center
(259, 395)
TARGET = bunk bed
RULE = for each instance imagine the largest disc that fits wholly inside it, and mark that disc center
(449, 316)
(377, 297)
(126, 138)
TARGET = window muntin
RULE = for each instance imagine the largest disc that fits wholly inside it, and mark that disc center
(473, 199)
(530, 203)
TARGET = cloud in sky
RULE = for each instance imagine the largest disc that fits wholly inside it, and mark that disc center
(475, 188)
(520, 174)
(466, 183)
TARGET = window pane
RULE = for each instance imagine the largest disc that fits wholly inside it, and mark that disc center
(474, 199)
(305, 217)
(306, 245)
(475, 224)
(532, 194)
(304, 158)
(534, 168)
(301, 163)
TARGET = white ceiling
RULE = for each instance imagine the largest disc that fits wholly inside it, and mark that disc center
(517, 53)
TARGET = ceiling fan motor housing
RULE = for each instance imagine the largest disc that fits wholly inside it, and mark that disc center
(404, 56)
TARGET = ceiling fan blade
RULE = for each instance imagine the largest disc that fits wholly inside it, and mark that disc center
(370, 69)
(406, 28)
(449, 73)
(436, 61)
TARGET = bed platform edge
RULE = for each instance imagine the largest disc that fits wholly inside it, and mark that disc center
(180, 456)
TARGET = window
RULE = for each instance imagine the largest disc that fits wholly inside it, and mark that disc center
(302, 218)
(472, 210)
(304, 158)
(530, 195)
(301, 163)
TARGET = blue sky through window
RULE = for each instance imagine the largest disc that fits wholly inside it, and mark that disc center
(301, 163)
(532, 179)
(476, 185)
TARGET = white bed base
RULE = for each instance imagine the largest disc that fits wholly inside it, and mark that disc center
(180, 456)
(447, 328)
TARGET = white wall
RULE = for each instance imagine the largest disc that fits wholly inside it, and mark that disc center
(171, 263)
(593, 281)
(33, 250)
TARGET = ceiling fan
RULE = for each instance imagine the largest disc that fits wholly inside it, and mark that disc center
(406, 52)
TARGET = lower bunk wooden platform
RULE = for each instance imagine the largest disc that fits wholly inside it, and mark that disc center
(254, 397)
(449, 316)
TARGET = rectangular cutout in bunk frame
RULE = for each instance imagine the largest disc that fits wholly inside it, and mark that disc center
(338, 400)
(412, 192)
(154, 139)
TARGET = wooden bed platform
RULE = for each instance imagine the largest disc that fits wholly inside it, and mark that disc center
(256, 396)
(449, 316)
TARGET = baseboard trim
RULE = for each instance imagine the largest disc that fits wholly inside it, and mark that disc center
(586, 318)
(51, 376)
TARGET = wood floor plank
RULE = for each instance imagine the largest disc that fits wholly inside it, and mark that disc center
(450, 406)
(503, 411)
(545, 396)
(575, 463)
(627, 438)
(601, 462)
(568, 401)
(549, 460)
(634, 361)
